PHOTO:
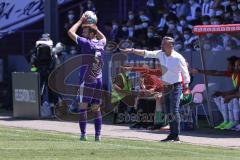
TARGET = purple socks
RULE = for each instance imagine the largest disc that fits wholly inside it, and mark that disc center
(98, 123)
(83, 121)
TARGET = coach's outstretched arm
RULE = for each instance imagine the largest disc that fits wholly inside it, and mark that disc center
(141, 52)
(72, 31)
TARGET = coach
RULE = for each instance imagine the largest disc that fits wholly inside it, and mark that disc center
(176, 71)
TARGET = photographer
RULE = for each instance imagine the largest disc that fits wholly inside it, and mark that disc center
(43, 61)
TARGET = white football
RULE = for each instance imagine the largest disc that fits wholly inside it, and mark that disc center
(91, 17)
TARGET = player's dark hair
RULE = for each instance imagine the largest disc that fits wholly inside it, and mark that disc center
(232, 59)
(91, 30)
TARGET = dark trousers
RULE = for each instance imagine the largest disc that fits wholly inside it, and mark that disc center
(172, 101)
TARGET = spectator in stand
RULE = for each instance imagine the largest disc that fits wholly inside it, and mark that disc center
(141, 26)
(207, 45)
(153, 39)
(216, 42)
(178, 46)
(189, 38)
(220, 2)
(171, 27)
(188, 48)
(234, 5)
(178, 37)
(71, 19)
(205, 20)
(107, 30)
(193, 6)
(131, 31)
(206, 6)
(236, 17)
(182, 8)
(143, 17)
(152, 9)
(216, 20)
(172, 16)
(114, 33)
(90, 6)
(87, 6)
(219, 10)
(198, 18)
(228, 16)
(123, 32)
(131, 18)
(230, 42)
(230, 45)
(183, 24)
(161, 26)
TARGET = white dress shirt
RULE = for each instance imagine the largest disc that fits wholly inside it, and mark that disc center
(176, 65)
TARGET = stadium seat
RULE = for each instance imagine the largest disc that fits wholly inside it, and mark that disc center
(197, 101)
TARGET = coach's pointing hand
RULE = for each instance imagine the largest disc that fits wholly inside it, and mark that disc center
(126, 50)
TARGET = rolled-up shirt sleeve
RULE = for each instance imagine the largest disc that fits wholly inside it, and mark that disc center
(103, 42)
(152, 54)
(184, 70)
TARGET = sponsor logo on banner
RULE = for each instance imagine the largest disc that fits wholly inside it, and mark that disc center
(25, 95)
(216, 29)
(13, 12)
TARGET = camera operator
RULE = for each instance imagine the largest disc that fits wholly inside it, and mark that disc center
(43, 61)
(59, 54)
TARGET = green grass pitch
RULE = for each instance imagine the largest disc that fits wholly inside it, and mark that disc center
(16, 143)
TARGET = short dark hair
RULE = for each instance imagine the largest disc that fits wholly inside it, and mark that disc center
(169, 39)
(90, 29)
(232, 59)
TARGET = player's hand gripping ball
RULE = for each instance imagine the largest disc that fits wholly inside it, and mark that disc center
(91, 17)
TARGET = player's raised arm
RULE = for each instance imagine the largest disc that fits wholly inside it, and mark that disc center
(72, 31)
(141, 52)
(101, 36)
(138, 52)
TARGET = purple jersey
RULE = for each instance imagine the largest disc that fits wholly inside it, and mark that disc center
(95, 48)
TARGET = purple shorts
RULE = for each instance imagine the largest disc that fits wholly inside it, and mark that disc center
(91, 96)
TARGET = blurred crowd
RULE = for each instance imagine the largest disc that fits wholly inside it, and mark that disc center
(176, 18)
(158, 18)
